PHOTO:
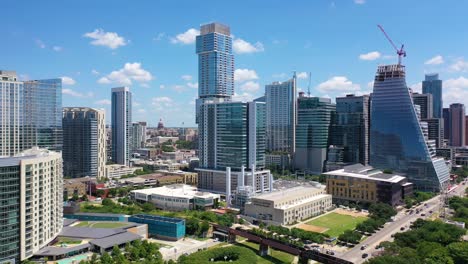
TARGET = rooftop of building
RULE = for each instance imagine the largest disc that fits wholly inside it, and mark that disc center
(215, 27)
(366, 172)
(177, 190)
(118, 239)
(157, 218)
(32, 153)
(288, 193)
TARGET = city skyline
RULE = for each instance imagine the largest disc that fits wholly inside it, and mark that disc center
(159, 64)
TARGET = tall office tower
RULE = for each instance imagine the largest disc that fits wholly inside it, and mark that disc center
(84, 142)
(397, 138)
(446, 117)
(232, 135)
(281, 101)
(138, 135)
(432, 85)
(31, 198)
(43, 114)
(435, 130)
(121, 125)
(314, 119)
(215, 64)
(466, 130)
(11, 117)
(425, 102)
(457, 125)
(351, 129)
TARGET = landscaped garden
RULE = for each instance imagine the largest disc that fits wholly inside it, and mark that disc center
(336, 224)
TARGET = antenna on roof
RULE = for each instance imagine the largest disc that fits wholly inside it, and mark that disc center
(308, 86)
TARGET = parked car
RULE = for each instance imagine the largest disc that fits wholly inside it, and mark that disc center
(423, 214)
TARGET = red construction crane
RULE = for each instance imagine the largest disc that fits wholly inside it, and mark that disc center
(401, 52)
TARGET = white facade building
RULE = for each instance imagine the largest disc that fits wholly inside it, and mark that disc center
(11, 113)
(117, 171)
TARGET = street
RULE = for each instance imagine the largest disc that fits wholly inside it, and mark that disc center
(402, 219)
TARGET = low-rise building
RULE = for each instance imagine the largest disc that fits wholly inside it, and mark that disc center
(289, 205)
(161, 140)
(176, 197)
(78, 186)
(117, 170)
(364, 184)
(161, 227)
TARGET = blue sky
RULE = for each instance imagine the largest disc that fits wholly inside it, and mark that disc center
(148, 45)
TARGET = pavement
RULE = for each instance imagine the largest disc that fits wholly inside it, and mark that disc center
(402, 219)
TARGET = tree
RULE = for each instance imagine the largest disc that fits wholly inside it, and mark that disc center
(147, 207)
(203, 228)
(106, 258)
(113, 192)
(75, 197)
(84, 197)
(108, 202)
(191, 226)
(100, 193)
(459, 252)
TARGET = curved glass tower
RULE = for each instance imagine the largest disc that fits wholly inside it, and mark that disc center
(397, 138)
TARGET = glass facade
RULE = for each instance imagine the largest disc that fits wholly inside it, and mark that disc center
(43, 114)
(10, 214)
(351, 128)
(11, 114)
(160, 226)
(257, 132)
(397, 139)
(432, 85)
(314, 118)
(121, 125)
(281, 103)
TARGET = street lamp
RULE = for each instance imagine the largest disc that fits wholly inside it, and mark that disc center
(225, 258)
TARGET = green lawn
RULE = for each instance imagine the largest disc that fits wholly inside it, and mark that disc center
(337, 223)
(82, 224)
(101, 224)
(68, 241)
(275, 256)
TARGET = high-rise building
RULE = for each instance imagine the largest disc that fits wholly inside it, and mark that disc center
(466, 130)
(446, 117)
(31, 198)
(457, 125)
(138, 135)
(43, 114)
(121, 124)
(314, 119)
(398, 140)
(425, 103)
(281, 101)
(435, 130)
(215, 64)
(84, 142)
(351, 128)
(432, 85)
(11, 117)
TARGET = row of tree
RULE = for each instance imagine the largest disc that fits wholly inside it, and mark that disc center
(298, 233)
(460, 205)
(427, 242)
(418, 198)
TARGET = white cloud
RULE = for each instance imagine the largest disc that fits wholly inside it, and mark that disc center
(279, 75)
(162, 86)
(159, 36)
(130, 72)
(460, 65)
(57, 48)
(103, 102)
(302, 75)
(145, 85)
(242, 75)
(67, 80)
(40, 44)
(370, 84)
(250, 86)
(417, 87)
(338, 84)
(455, 91)
(135, 103)
(108, 39)
(360, 2)
(76, 94)
(94, 72)
(186, 77)
(141, 111)
(178, 88)
(244, 97)
(373, 55)
(192, 85)
(188, 37)
(241, 46)
(435, 60)
(162, 102)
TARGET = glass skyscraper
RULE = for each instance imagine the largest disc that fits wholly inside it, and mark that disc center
(314, 119)
(397, 138)
(432, 85)
(281, 102)
(215, 64)
(121, 125)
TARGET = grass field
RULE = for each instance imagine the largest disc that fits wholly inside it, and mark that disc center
(275, 256)
(68, 241)
(101, 224)
(337, 223)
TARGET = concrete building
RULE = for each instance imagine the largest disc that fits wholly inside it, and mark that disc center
(435, 130)
(289, 206)
(432, 85)
(314, 119)
(117, 171)
(121, 125)
(84, 142)
(31, 195)
(138, 135)
(399, 141)
(351, 128)
(77, 186)
(425, 103)
(177, 197)
(161, 140)
(364, 184)
(281, 102)
(457, 125)
(11, 119)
